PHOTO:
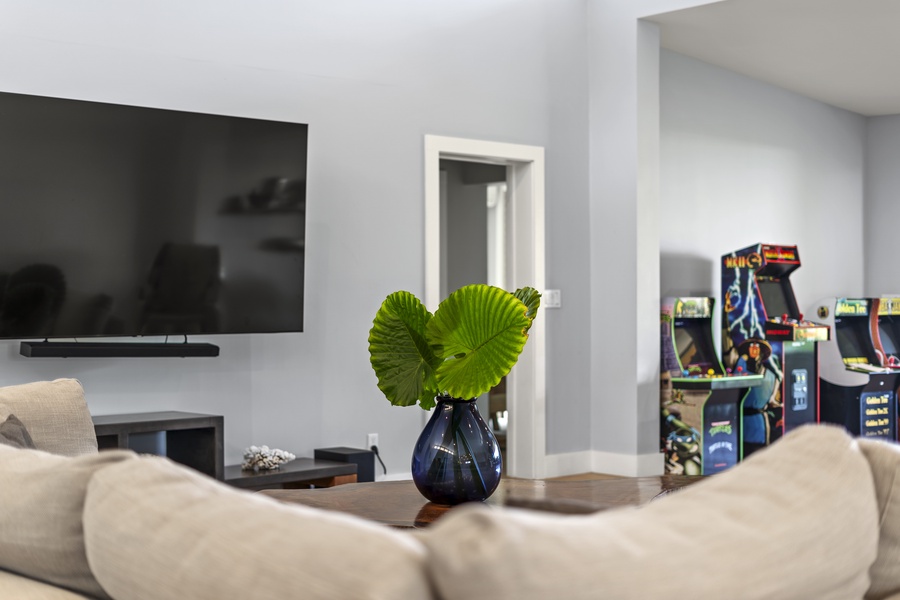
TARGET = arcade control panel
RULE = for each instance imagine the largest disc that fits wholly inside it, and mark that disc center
(696, 380)
(789, 329)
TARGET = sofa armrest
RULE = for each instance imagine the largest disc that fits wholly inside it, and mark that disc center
(55, 413)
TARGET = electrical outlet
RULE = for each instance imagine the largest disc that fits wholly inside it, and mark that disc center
(371, 440)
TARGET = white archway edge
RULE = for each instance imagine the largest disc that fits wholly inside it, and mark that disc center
(526, 385)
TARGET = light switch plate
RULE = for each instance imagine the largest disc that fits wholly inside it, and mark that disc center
(552, 299)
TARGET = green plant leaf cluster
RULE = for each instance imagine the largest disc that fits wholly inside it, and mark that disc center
(464, 349)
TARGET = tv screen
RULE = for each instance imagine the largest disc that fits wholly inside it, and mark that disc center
(852, 339)
(129, 221)
(887, 332)
(774, 297)
(694, 348)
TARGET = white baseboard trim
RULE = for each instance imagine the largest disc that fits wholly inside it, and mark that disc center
(571, 463)
(588, 461)
(394, 476)
(595, 461)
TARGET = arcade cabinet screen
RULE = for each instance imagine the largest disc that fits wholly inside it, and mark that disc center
(694, 349)
(887, 331)
(850, 341)
(774, 297)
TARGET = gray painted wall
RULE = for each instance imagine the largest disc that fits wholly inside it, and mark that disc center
(746, 162)
(623, 258)
(882, 210)
(371, 79)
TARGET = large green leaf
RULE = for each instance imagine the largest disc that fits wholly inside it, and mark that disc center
(479, 332)
(402, 359)
(532, 299)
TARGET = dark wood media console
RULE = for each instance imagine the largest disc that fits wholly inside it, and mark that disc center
(192, 439)
(298, 473)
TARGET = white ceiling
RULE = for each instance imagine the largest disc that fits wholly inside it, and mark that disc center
(843, 52)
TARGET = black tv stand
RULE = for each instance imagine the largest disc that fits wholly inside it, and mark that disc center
(192, 439)
(116, 349)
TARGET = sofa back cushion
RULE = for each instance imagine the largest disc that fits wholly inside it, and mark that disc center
(41, 504)
(55, 414)
(884, 459)
(156, 530)
(795, 521)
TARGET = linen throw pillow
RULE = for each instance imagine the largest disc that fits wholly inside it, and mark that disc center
(42, 499)
(155, 530)
(884, 459)
(795, 521)
(13, 433)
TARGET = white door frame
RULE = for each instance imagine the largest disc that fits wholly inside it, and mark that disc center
(526, 445)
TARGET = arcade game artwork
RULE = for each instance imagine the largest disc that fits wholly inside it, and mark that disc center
(858, 389)
(886, 335)
(700, 402)
(763, 332)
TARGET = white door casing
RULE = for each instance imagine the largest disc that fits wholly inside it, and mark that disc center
(526, 383)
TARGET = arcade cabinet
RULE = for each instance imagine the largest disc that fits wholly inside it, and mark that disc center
(886, 335)
(700, 401)
(856, 389)
(764, 332)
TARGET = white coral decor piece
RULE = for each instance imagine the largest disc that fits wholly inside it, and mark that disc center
(260, 458)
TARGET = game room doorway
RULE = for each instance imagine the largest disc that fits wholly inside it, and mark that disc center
(519, 232)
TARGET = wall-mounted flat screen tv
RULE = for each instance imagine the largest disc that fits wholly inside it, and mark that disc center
(130, 221)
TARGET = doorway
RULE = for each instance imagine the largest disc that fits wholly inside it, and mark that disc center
(520, 228)
(473, 250)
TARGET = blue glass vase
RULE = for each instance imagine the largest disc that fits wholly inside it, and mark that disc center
(457, 458)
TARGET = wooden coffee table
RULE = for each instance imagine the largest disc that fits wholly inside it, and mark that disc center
(399, 503)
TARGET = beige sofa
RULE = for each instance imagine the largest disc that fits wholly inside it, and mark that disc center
(816, 516)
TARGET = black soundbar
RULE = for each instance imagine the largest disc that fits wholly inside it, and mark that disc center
(115, 349)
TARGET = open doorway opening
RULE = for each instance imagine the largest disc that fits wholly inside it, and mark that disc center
(517, 259)
(473, 250)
